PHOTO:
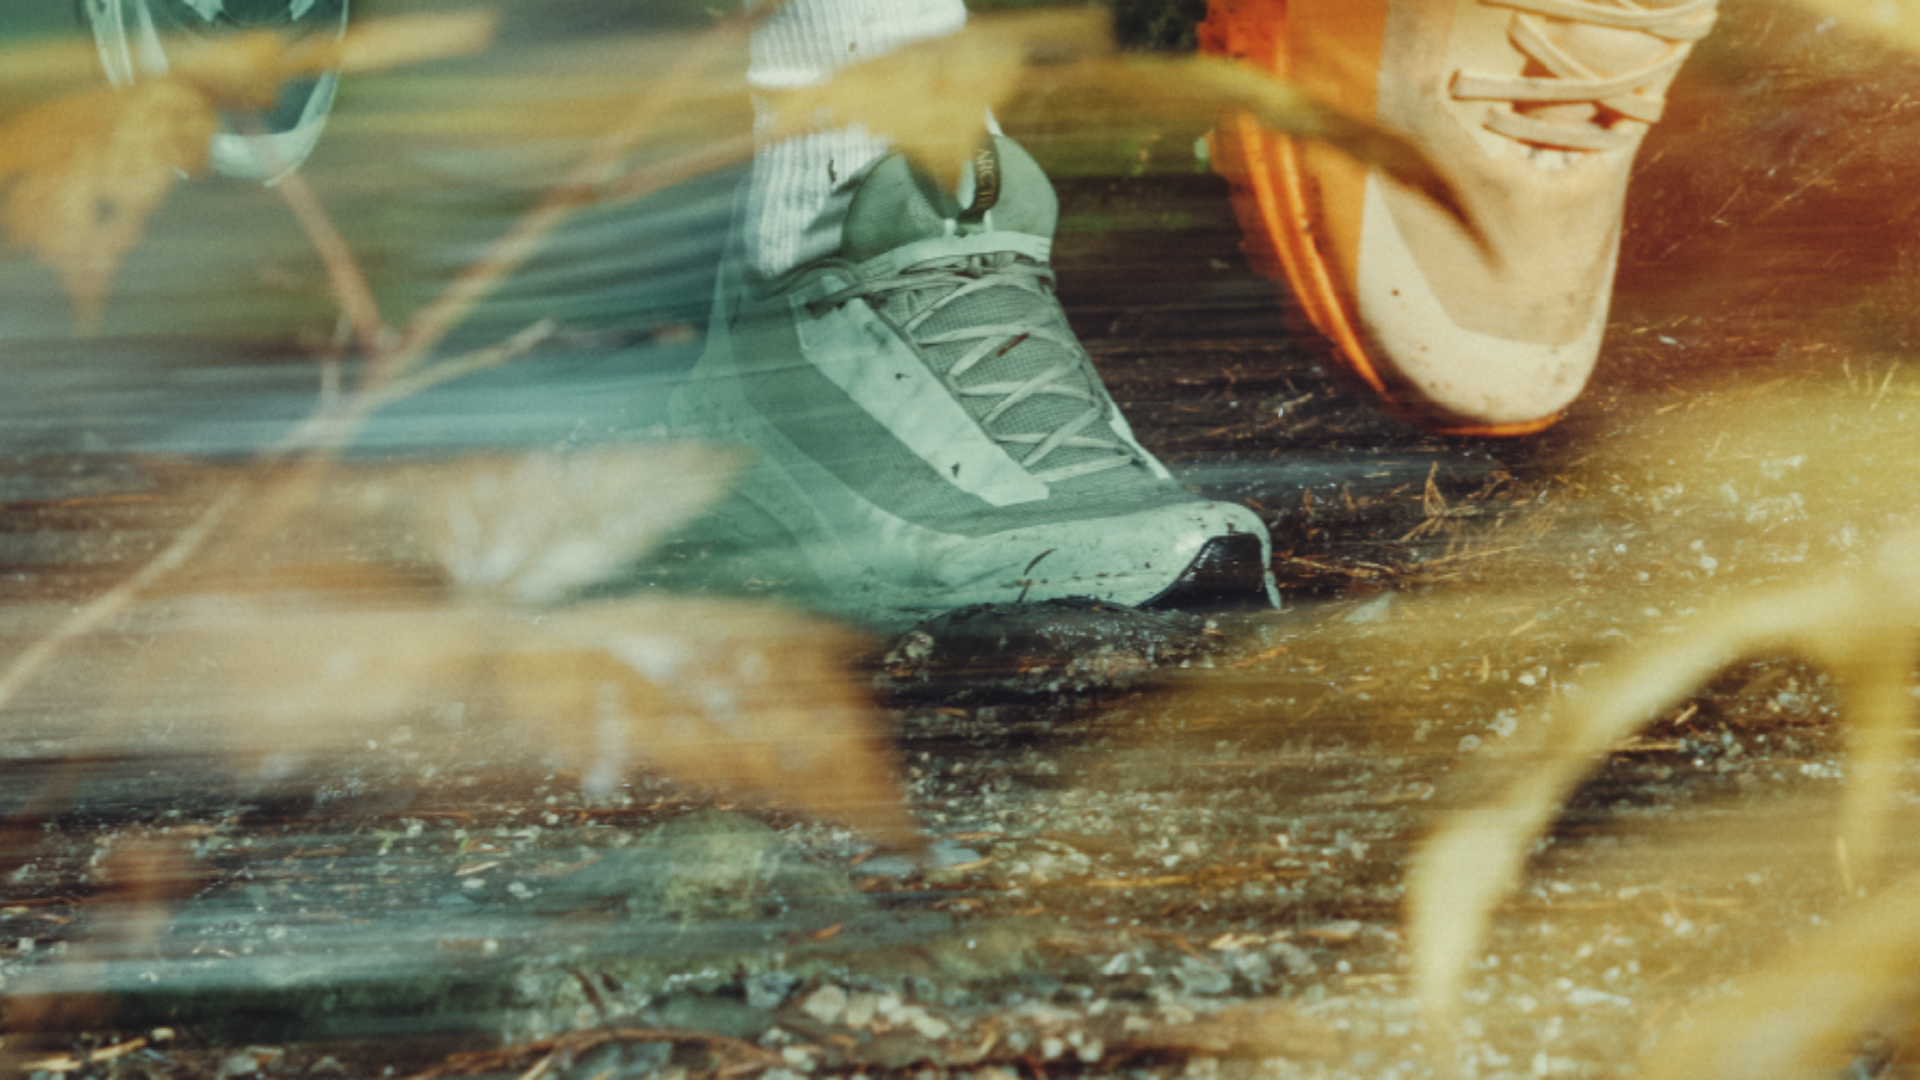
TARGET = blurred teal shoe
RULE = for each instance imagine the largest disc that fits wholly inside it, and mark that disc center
(131, 36)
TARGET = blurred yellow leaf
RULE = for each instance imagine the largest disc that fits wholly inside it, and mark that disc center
(245, 70)
(536, 528)
(1897, 22)
(83, 172)
(1858, 625)
(743, 699)
(1196, 91)
(35, 69)
(399, 40)
(318, 637)
(1805, 1013)
(931, 98)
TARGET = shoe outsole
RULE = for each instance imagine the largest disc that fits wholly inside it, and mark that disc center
(1227, 575)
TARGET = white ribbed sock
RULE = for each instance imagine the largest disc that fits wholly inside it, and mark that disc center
(801, 186)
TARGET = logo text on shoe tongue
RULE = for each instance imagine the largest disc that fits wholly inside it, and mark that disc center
(986, 183)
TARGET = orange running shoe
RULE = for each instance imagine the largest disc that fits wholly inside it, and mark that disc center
(1531, 110)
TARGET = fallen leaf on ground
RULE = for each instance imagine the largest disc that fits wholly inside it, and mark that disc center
(141, 878)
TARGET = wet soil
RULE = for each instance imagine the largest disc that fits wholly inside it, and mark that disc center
(1161, 844)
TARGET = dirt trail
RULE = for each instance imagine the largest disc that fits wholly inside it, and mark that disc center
(1162, 845)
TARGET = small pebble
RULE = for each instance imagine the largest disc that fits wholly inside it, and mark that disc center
(887, 866)
(769, 989)
(931, 1026)
(861, 1005)
(827, 1004)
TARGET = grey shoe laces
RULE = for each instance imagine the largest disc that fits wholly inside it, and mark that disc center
(207, 13)
(251, 12)
(935, 285)
(1638, 95)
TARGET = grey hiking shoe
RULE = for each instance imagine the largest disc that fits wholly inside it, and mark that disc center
(930, 432)
(131, 36)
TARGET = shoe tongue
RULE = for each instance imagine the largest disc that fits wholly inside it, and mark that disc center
(898, 205)
(895, 206)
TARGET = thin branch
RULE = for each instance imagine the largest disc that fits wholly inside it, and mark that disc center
(658, 177)
(343, 270)
(334, 421)
(350, 289)
(444, 371)
(95, 614)
(333, 425)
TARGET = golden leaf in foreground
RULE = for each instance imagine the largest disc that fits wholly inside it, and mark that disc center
(245, 70)
(83, 173)
(931, 98)
(323, 635)
(740, 698)
(1197, 91)
(34, 69)
(1858, 625)
(1896, 22)
(533, 529)
(527, 529)
(1804, 1014)
(400, 40)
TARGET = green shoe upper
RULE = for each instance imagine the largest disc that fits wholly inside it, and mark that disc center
(929, 432)
(938, 375)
